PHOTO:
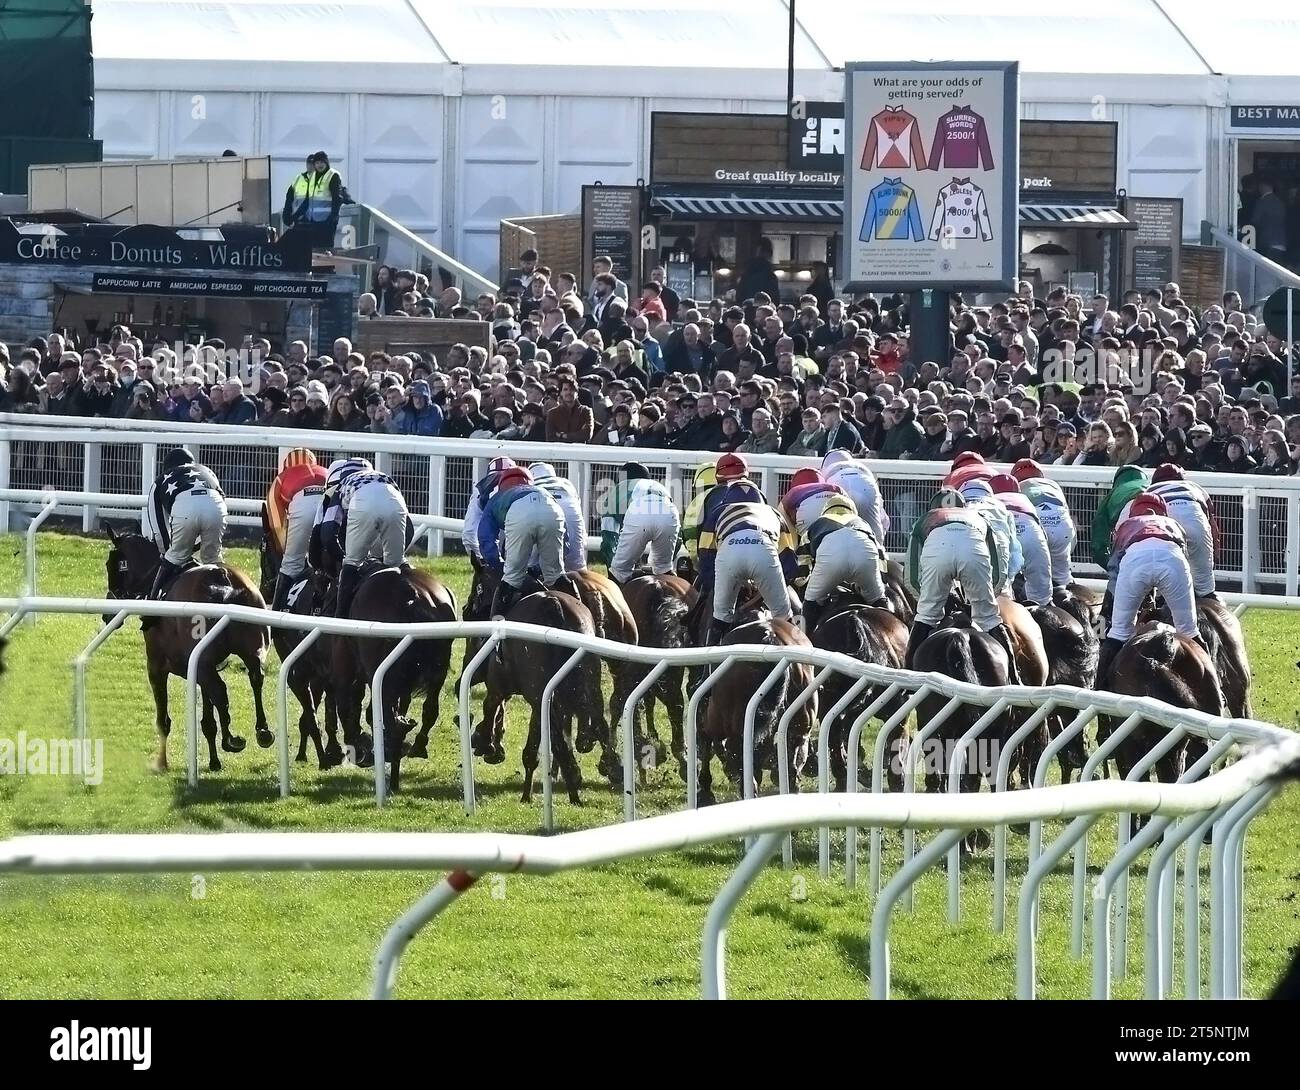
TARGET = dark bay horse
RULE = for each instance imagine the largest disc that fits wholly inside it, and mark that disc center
(659, 605)
(867, 634)
(393, 596)
(723, 724)
(132, 562)
(523, 668)
(1071, 645)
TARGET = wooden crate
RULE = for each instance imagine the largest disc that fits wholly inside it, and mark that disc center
(424, 335)
(1200, 275)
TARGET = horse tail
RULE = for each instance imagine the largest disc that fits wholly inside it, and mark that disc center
(670, 618)
(957, 655)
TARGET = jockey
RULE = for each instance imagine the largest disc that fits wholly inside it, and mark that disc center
(375, 517)
(326, 548)
(562, 491)
(1053, 516)
(741, 538)
(291, 505)
(478, 499)
(842, 550)
(1189, 506)
(856, 479)
(1037, 568)
(638, 512)
(1148, 555)
(1129, 482)
(953, 542)
(978, 494)
(809, 494)
(968, 466)
(519, 518)
(185, 509)
(704, 480)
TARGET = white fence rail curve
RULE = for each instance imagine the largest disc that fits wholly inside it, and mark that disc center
(1259, 516)
(1236, 793)
(1227, 734)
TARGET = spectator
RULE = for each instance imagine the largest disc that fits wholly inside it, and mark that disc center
(237, 407)
(902, 433)
(840, 433)
(317, 410)
(420, 416)
(1237, 458)
(275, 407)
(936, 444)
(760, 275)
(532, 424)
(570, 421)
(465, 418)
(619, 432)
(344, 414)
(763, 437)
(1278, 459)
(1152, 442)
(144, 403)
(733, 435)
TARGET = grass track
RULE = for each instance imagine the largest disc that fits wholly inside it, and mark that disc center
(630, 930)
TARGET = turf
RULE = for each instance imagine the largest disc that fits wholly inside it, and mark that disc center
(631, 930)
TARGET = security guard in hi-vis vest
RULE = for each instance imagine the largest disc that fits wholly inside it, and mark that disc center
(313, 202)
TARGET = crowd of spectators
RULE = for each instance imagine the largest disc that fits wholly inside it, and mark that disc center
(1065, 380)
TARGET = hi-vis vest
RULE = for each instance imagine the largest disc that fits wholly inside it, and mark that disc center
(312, 194)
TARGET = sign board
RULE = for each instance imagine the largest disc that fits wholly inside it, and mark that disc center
(816, 137)
(611, 227)
(931, 176)
(1068, 157)
(681, 278)
(729, 149)
(150, 247)
(335, 318)
(1152, 251)
(215, 287)
(1264, 117)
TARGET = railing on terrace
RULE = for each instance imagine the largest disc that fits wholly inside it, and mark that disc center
(1259, 516)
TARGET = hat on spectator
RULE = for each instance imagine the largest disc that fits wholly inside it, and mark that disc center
(533, 409)
(69, 360)
(316, 392)
(277, 397)
(874, 402)
(651, 412)
(420, 388)
(507, 410)
(294, 391)
(1066, 428)
(375, 398)
(1013, 417)
(1200, 428)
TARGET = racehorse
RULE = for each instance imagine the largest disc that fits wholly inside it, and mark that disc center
(309, 678)
(1158, 663)
(963, 653)
(132, 562)
(1221, 631)
(390, 595)
(723, 727)
(865, 633)
(1071, 646)
(588, 708)
(613, 620)
(659, 605)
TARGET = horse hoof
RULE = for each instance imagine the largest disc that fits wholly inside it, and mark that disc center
(301, 759)
(214, 765)
(585, 741)
(575, 798)
(234, 744)
(705, 798)
(495, 755)
(332, 757)
(976, 841)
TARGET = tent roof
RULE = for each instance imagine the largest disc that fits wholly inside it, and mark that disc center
(256, 45)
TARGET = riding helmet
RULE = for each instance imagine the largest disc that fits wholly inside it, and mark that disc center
(947, 497)
(731, 467)
(299, 456)
(635, 471)
(542, 471)
(1027, 468)
(805, 476)
(977, 489)
(1168, 472)
(968, 458)
(177, 458)
(1144, 503)
(515, 475)
(496, 465)
(1004, 482)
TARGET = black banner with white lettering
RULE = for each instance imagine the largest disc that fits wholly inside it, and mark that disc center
(216, 287)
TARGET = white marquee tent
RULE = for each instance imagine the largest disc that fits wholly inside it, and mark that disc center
(452, 114)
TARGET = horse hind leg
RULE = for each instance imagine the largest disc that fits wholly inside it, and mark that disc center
(531, 746)
(670, 694)
(563, 752)
(435, 679)
(162, 721)
(209, 725)
(216, 686)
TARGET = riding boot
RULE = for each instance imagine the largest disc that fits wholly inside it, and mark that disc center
(812, 615)
(348, 579)
(167, 571)
(283, 584)
(1105, 656)
(1062, 597)
(566, 584)
(917, 637)
(1003, 635)
(717, 630)
(503, 600)
(1213, 596)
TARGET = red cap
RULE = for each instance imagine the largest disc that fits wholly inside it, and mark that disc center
(730, 467)
(1004, 482)
(1147, 504)
(967, 458)
(1168, 472)
(1026, 468)
(496, 465)
(514, 475)
(805, 476)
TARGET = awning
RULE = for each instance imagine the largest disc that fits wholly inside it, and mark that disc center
(719, 202)
(1074, 215)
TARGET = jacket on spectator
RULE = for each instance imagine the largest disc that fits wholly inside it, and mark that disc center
(570, 424)
(844, 436)
(768, 443)
(241, 411)
(677, 356)
(903, 438)
(412, 421)
(464, 425)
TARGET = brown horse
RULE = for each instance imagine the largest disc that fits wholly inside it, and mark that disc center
(867, 634)
(394, 596)
(1158, 663)
(659, 605)
(723, 727)
(132, 562)
(614, 620)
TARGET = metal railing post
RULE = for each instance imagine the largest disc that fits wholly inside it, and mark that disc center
(79, 664)
(751, 715)
(49, 502)
(713, 943)
(783, 750)
(466, 722)
(544, 740)
(399, 936)
(954, 787)
(691, 728)
(824, 767)
(627, 724)
(378, 720)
